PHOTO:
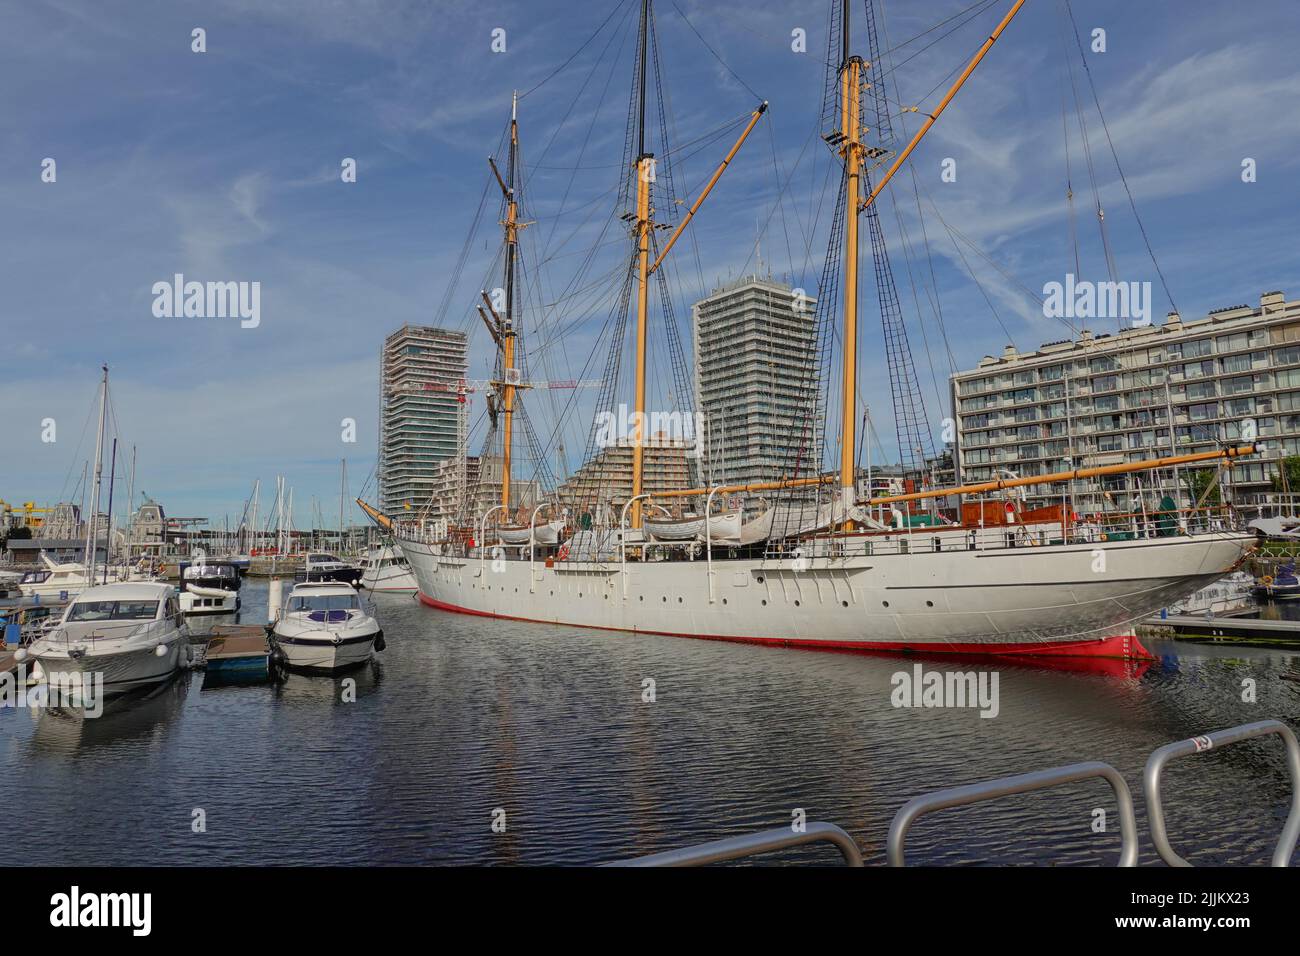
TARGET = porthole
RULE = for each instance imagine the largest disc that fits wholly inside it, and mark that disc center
(796, 603)
(845, 603)
(724, 600)
(929, 604)
(764, 602)
(760, 579)
(884, 603)
(665, 599)
(679, 600)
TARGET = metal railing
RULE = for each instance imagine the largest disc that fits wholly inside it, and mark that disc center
(1206, 742)
(752, 844)
(1021, 783)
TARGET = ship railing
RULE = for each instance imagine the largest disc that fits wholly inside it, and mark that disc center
(740, 847)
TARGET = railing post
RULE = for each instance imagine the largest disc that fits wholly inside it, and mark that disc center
(708, 541)
(1022, 783)
(532, 544)
(622, 541)
(1156, 763)
(482, 545)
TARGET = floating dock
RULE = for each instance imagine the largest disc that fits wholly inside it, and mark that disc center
(1229, 629)
(237, 654)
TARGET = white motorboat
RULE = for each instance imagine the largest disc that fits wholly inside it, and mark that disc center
(326, 567)
(130, 634)
(210, 588)
(55, 580)
(385, 570)
(324, 627)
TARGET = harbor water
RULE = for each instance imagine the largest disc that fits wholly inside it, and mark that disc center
(584, 746)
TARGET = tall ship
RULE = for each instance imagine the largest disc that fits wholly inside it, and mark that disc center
(806, 559)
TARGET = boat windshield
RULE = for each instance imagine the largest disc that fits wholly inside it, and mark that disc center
(323, 602)
(113, 611)
(322, 558)
(210, 571)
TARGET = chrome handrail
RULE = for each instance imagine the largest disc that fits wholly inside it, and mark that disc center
(735, 848)
(1183, 748)
(1020, 783)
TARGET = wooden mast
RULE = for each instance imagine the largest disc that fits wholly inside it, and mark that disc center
(851, 150)
(645, 171)
(505, 334)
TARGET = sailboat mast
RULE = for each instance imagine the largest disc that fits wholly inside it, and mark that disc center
(92, 523)
(644, 176)
(508, 327)
(852, 151)
(130, 499)
(108, 537)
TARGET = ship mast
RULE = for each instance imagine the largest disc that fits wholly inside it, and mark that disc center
(852, 151)
(644, 176)
(505, 326)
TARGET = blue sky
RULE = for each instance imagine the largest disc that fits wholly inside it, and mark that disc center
(225, 166)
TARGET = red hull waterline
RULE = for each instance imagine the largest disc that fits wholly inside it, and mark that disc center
(1116, 647)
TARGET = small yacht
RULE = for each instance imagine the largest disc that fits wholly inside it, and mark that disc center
(386, 569)
(1282, 586)
(326, 567)
(324, 627)
(130, 633)
(55, 580)
(210, 588)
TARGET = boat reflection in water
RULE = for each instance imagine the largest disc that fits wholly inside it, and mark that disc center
(144, 715)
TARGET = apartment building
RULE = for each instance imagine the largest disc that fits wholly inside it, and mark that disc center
(755, 381)
(1102, 399)
(421, 420)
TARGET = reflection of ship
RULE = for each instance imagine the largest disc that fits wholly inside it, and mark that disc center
(830, 574)
(1226, 595)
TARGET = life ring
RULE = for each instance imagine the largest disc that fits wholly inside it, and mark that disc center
(1266, 580)
(563, 553)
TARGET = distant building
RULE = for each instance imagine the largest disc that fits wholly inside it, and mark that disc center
(755, 382)
(1109, 399)
(421, 424)
(606, 479)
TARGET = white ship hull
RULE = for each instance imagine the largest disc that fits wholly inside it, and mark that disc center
(1046, 599)
(389, 579)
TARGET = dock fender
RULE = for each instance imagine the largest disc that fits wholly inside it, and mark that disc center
(379, 641)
